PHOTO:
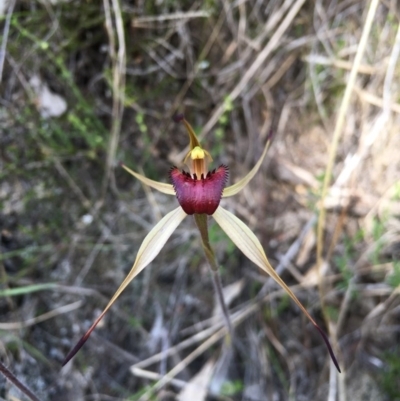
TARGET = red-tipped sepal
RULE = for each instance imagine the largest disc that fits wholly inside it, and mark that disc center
(82, 341)
(200, 195)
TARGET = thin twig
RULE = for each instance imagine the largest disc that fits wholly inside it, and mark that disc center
(13, 379)
(41, 318)
(141, 22)
(345, 65)
(6, 30)
(375, 100)
(220, 295)
(201, 222)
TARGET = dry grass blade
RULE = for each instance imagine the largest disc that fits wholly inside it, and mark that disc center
(346, 65)
(6, 31)
(340, 121)
(41, 318)
(197, 387)
(375, 100)
(328, 175)
(142, 22)
(272, 44)
(118, 59)
(146, 374)
(336, 138)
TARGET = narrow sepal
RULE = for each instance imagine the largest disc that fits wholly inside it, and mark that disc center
(192, 135)
(163, 187)
(235, 188)
(199, 195)
(247, 242)
(177, 118)
(150, 248)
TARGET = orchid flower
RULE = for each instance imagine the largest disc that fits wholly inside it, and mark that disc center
(199, 193)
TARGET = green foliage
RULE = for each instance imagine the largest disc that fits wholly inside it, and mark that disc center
(345, 260)
(219, 132)
(378, 230)
(133, 321)
(232, 388)
(139, 118)
(37, 354)
(80, 122)
(228, 107)
(320, 177)
(342, 263)
(217, 235)
(141, 392)
(396, 195)
(29, 256)
(277, 365)
(28, 289)
(332, 312)
(283, 305)
(211, 5)
(389, 378)
(394, 279)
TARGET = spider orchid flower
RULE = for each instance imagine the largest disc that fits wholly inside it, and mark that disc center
(199, 193)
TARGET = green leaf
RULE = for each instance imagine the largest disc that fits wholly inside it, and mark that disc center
(12, 292)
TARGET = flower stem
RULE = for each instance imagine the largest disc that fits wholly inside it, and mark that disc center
(202, 225)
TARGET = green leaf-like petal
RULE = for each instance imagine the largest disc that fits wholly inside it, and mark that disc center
(159, 186)
(235, 188)
(150, 248)
(247, 242)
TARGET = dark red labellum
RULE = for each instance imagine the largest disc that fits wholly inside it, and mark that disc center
(200, 195)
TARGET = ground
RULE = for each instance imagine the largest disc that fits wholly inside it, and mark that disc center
(86, 85)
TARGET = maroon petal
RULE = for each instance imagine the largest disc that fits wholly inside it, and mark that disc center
(199, 195)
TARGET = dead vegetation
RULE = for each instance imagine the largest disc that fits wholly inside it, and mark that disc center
(87, 84)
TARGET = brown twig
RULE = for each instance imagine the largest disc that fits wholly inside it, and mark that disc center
(14, 380)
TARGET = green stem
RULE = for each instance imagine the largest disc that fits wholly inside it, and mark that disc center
(202, 225)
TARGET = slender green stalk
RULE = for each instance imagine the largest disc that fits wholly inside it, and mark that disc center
(202, 225)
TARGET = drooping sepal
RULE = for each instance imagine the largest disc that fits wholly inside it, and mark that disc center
(247, 242)
(150, 248)
(200, 195)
